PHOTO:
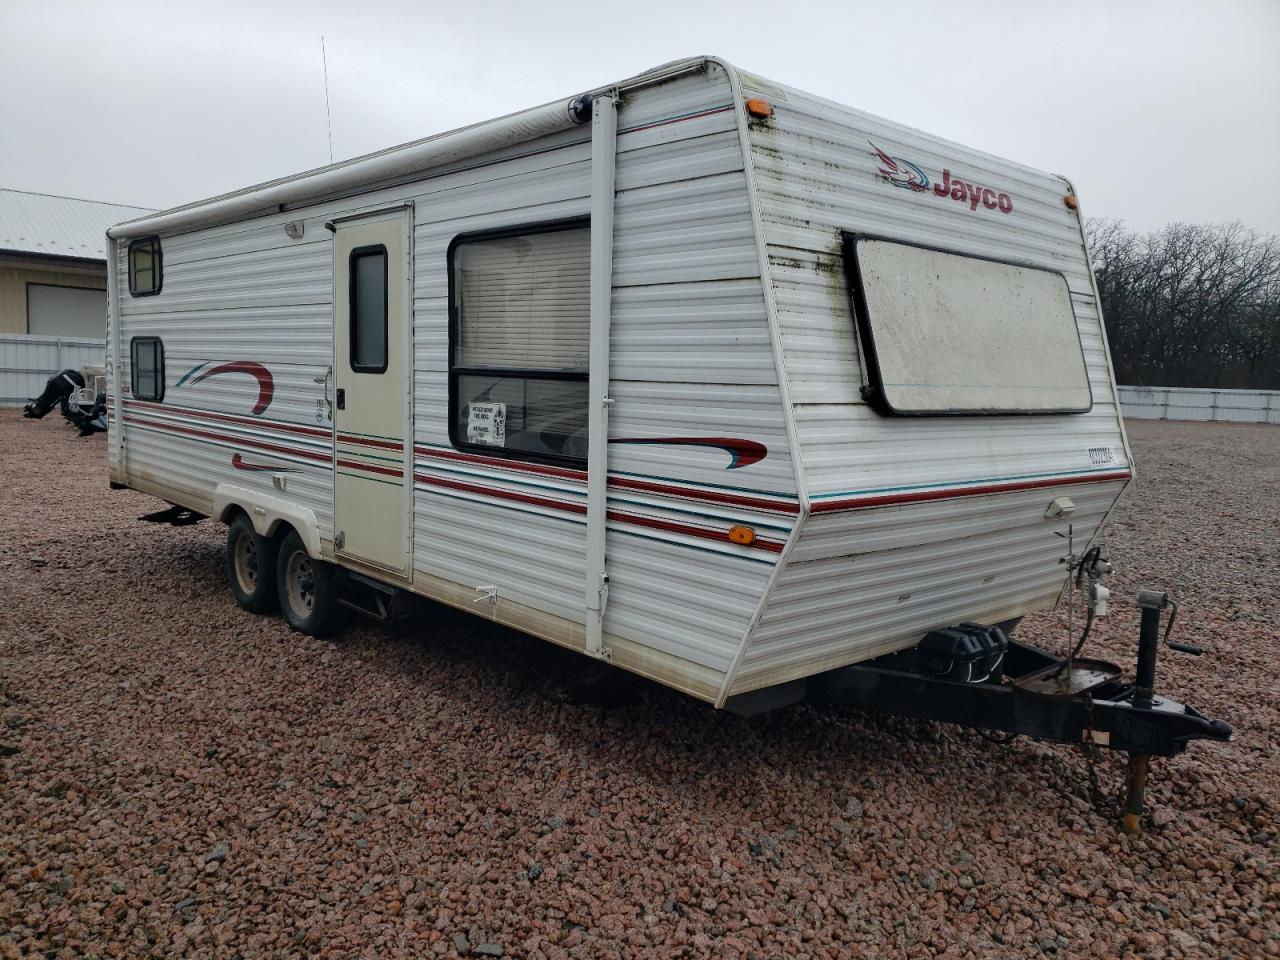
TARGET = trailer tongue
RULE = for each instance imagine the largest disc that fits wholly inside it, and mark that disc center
(1033, 693)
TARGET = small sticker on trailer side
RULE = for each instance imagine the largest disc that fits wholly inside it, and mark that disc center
(487, 423)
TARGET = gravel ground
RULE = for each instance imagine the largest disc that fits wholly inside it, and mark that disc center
(179, 778)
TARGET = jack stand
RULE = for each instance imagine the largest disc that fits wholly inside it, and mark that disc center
(1135, 787)
(1152, 603)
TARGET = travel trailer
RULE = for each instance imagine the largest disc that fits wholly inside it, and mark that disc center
(721, 382)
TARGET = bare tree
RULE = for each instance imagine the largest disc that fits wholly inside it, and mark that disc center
(1190, 305)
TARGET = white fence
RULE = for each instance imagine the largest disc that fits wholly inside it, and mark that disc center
(27, 361)
(1194, 403)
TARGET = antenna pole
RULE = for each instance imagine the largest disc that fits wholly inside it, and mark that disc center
(327, 113)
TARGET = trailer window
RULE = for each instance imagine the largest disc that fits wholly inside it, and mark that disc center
(368, 291)
(520, 309)
(146, 368)
(146, 270)
(950, 334)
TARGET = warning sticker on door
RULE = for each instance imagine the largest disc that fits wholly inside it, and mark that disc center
(487, 423)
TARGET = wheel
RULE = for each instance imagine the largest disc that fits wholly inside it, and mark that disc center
(251, 566)
(307, 588)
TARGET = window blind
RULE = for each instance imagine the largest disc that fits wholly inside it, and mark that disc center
(524, 301)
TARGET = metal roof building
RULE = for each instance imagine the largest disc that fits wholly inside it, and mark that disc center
(53, 273)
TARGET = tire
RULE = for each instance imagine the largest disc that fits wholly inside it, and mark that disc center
(251, 566)
(307, 588)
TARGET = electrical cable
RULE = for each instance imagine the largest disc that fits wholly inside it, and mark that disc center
(1084, 636)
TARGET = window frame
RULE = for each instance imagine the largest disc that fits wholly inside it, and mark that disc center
(134, 343)
(157, 254)
(356, 253)
(455, 345)
(872, 392)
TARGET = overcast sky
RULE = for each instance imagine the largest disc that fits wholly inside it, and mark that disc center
(1158, 111)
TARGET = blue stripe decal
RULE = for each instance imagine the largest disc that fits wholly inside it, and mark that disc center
(187, 376)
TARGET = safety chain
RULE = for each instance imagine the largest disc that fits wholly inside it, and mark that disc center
(1102, 804)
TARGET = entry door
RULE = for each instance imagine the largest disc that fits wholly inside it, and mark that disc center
(370, 375)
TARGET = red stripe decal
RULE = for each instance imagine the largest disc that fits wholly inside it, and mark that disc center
(564, 473)
(223, 438)
(580, 509)
(370, 468)
(369, 442)
(687, 493)
(483, 491)
(240, 463)
(742, 453)
(673, 527)
(711, 496)
(618, 516)
(918, 496)
(231, 418)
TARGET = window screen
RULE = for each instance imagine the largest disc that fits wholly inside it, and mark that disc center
(369, 309)
(145, 267)
(146, 368)
(521, 324)
(950, 334)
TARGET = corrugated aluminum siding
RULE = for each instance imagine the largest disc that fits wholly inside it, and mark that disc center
(239, 293)
(691, 357)
(864, 580)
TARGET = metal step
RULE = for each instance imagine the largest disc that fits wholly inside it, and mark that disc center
(373, 598)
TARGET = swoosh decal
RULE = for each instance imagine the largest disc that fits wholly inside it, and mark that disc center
(743, 453)
(187, 376)
(240, 463)
(266, 383)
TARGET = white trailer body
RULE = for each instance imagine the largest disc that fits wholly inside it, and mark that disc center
(726, 398)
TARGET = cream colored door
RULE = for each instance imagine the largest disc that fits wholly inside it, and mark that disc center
(372, 465)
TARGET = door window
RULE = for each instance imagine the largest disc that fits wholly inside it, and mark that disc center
(369, 309)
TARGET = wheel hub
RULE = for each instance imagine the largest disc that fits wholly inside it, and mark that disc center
(301, 582)
(246, 563)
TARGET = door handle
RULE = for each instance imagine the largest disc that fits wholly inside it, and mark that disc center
(342, 399)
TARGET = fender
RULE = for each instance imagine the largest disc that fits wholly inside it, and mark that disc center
(266, 511)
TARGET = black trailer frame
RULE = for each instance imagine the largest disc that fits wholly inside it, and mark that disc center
(1105, 715)
(1036, 694)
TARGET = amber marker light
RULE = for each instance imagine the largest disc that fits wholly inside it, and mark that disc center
(1071, 202)
(741, 534)
(760, 109)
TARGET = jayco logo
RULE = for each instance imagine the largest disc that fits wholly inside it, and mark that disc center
(899, 172)
(907, 175)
